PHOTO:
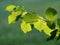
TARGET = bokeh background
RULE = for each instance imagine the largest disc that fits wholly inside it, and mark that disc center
(13, 35)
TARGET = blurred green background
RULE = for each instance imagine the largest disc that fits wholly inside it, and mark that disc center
(13, 35)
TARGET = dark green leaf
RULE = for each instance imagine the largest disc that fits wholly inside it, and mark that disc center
(51, 14)
(53, 34)
(32, 26)
(51, 10)
(51, 25)
(17, 18)
(58, 22)
(14, 9)
(58, 37)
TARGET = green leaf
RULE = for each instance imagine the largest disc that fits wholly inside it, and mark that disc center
(26, 27)
(51, 25)
(31, 17)
(58, 22)
(51, 14)
(20, 8)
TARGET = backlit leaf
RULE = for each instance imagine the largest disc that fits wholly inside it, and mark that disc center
(10, 7)
(24, 13)
(26, 27)
(11, 19)
(39, 25)
(47, 30)
(16, 13)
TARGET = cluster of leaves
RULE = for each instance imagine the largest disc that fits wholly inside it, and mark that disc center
(32, 19)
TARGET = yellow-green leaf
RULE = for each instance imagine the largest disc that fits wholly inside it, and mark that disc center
(47, 30)
(24, 13)
(11, 19)
(10, 7)
(16, 13)
(26, 27)
(13, 16)
(39, 25)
